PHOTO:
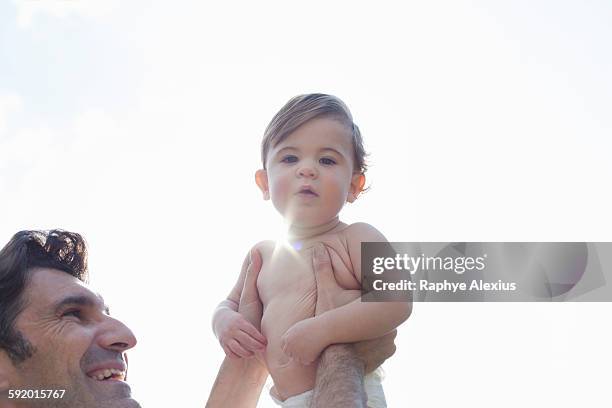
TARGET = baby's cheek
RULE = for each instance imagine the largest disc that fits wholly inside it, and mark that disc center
(278, 191)
(335, 198)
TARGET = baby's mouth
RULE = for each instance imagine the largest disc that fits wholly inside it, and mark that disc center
(307, 191)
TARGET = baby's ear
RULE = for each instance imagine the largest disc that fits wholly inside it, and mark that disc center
(261, 178)
(357, 184)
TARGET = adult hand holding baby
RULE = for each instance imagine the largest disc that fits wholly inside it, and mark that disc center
(330, 296)
(239, 332)
(305, 340)
(339, 381)
(340, 374)
(250, 306)
(240, 380)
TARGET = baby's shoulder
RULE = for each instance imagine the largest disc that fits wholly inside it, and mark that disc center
(352, 236)
(362, 232)
(264, 244)
(264, 247)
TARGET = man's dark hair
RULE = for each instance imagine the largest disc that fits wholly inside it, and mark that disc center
(54, 249)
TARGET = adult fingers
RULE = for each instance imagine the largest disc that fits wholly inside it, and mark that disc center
(328, 290)
(249, 291)
(238, 349)
(375, 351)
(324, 274)
(387, 343)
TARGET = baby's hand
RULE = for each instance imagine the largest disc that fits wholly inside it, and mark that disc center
(303, 341)
(238, 337)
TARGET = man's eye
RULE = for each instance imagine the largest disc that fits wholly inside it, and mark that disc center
(327, 161)
(289, 159)
(72, 312)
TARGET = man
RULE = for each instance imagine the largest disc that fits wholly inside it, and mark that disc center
(339, 381)
(59, 347)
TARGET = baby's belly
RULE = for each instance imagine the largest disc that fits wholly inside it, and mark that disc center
(282, 312)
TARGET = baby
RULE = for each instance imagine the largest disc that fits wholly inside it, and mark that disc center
(313, 163)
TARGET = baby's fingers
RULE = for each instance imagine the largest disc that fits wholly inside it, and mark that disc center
(249, 342)
(238, 349)
(249, 329)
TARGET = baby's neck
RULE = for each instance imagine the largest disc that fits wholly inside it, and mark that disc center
(301, 233)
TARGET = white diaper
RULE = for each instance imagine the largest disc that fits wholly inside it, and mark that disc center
(373, 389)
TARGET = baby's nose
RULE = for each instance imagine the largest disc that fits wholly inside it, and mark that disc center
(307, 171)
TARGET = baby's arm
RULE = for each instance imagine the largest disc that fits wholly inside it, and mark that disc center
(355, 321)
(237, 336)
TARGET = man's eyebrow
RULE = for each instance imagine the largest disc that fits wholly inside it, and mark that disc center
(81, 300)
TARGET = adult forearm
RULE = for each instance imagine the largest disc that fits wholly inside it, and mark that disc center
(238, 384)
(339, 381)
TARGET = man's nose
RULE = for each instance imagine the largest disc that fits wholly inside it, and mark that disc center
(116, 336)
(307, 171)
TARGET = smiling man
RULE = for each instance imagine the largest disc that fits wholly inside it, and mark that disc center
(59, 347)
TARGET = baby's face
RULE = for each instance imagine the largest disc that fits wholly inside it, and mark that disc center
(310, 175)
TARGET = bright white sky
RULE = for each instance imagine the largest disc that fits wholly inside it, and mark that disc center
(139, 126)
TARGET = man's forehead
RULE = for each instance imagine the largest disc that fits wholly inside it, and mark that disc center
(51, 286)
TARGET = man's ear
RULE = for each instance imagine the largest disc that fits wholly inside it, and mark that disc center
(357, 183)
(6, 366)
(6, 370)
(261, 178)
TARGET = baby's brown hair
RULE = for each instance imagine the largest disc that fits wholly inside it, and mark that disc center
(302, 108)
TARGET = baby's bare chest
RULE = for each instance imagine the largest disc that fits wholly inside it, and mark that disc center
(287, 273)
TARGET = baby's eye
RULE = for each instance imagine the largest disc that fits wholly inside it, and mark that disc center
(289, 159)
(327, 161)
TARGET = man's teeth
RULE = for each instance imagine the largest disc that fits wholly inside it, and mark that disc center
(106, 373)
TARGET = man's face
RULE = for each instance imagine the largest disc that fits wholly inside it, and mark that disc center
(310, 173)
(78, 347)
